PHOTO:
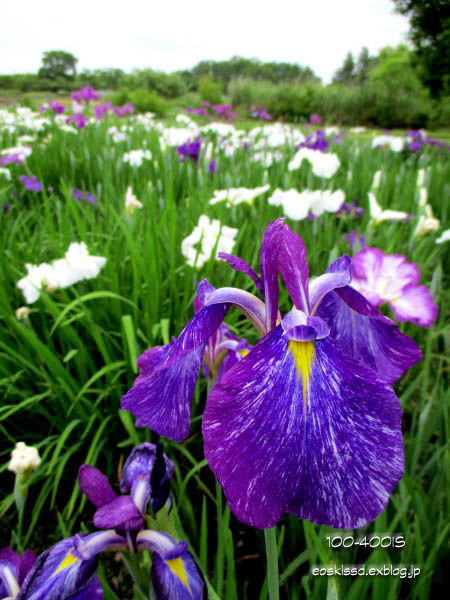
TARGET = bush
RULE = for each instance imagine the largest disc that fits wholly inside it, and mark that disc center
(145, 101)
(208, 90)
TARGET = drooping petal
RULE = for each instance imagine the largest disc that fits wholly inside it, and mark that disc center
(304, 429)
(269, 259)
(294, 267)
(238, 264)
(174, 573)
(416, 304)
(365, 334)
(162, 401)
(88, 546)
(338, 274)
(121, 513)
(58, 574)
(95, 486)
(252, 307)
(151, 360)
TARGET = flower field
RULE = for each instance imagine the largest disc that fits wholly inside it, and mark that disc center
(120, 233)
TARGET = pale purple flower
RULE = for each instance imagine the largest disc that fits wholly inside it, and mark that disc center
(391, 278)
(80, 120)
(83, 195)
(55, 106)
(314, 119)
(31, 183)
(85, 94)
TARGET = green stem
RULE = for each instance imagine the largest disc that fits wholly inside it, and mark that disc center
(270, 536)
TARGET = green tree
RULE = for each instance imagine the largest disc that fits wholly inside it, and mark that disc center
(58, 64)
(363, 66)
(430, 34)
(346, 74)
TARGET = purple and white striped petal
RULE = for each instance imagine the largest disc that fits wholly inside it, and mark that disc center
(95, 486)
(338, 274)
(302, 428)
(362, 332)
(174, 573)
(88, 546)
(269, 259)
(252, 307)
(238, 264)
(415, 304)
(162, 401)
(121, 513)
(58, 574)
(294, 267)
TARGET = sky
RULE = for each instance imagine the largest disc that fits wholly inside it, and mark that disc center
(177, 34)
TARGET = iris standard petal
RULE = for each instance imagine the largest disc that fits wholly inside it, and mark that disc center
(365, 334)
(95, 486)
(162, 401)
(294, 267)
(302, 428)
(270, 247)
(338, 274)
(238, 264)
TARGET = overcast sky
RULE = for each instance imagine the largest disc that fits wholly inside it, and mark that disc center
(177, 34)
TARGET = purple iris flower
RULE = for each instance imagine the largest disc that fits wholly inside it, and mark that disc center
(54, 106)
(352, 210)
(57, 573)
(259, 112)
(315, 141)
(190, 149)
(31, 183)
(314, 119)
(77, 194)
(225, 111)
(307, 423)
(354, 240)
(11, 158)
(122, 111)
(205, 103)
(80, 120)
(212, 166)
(6, 208)
(85, 94)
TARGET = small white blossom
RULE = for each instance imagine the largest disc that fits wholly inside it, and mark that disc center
(323, 164)
(378, 214)
(423, 196)
(444, 237)
(22, 312)
(131, 203)
(297, 205)
(136, 157)
(395, 143)
(207, 235)
(377, 180)
(426, 223)
(235, 196)
(24, 458)
(6, 173)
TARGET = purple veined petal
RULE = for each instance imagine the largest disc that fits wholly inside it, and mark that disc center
(151, 360)
(203, 288)
(93, 591)
(366, 335)
(416, 304)
(141, 460)
(252, 307)
(339, 274)
(9, 585)
(269, 258)
(27, 560)
(293, 267)
(95, 486)
(88, 546)
(141, 492)
(329, 451)
(58, 574)
(118, 514)
(162, 401)
(175, 574)
(238, 264)
(300, 327)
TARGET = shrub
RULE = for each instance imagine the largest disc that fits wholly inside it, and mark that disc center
(208, 90)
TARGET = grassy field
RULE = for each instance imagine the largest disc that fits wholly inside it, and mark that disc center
(65, 367)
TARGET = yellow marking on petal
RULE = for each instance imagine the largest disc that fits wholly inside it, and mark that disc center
(243, 352)
(68, 561)
(304, 354)
(176, 565)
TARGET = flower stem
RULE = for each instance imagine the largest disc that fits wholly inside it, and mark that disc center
(270, 536)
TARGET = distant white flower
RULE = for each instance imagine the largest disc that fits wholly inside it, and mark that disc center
(136, 157)
(421, 177)
(444, 237)
(76, 265)
(23, 458)
(267, 157)
(235, 196)
(117, 136)
(357, 129)
(395, 143)
(323, 164)
(207, 235)
(6, 173)
(176, 136)
(131, 202)
(22, 313)
(377, 180)
(275, 136)
(185, 120)
(378, 214)
(426, 223)
(25, 139)
(68, 129)
(297, 205)
(22, 152)
(423, 196)
(221, 129)
(332, 130)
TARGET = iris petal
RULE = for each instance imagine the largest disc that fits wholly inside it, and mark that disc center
(335, 461)
(365, 334)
